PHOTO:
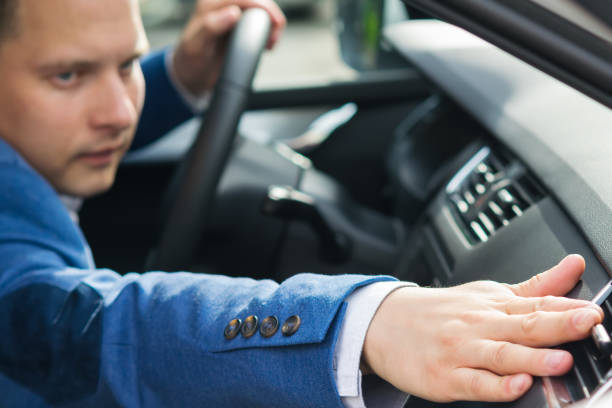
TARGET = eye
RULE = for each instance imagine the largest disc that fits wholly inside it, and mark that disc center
(65, 78)
(127, 67)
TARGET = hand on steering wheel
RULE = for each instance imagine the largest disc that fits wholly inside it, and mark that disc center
(199, 55)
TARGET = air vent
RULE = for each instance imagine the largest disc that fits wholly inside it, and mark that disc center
(592, 356)
(489, 192)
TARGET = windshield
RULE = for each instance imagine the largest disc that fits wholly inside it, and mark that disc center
(594, 16)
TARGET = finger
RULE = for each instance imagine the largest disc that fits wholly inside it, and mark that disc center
(276, 14)
(221, 21)
(556, 281)
(522, 305)
(481, 385)
(506, 358)
(545, 329)
(277, 17)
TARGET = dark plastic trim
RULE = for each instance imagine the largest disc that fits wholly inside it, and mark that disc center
(387, 86)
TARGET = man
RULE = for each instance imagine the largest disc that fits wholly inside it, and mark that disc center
(75, 335)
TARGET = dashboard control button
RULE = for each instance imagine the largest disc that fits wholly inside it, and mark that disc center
(486, 221)
(498, 212)
(477, 229)
(482, 168)
(469, 197)
(505, 196)
(602, 339)
(461, 205)
(496, 209)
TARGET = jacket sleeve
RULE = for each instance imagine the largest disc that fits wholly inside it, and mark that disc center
(80, 336)
(164, 108)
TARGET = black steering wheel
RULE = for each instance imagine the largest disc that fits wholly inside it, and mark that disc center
(198, 176)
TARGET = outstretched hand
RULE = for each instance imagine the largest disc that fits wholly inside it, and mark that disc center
(479, 341)
(199, 55)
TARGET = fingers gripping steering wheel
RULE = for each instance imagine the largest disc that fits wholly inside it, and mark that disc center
(198, 176)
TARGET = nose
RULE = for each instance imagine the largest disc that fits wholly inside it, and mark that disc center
(114, 105)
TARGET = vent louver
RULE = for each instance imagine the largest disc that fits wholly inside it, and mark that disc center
(489, 192)
(592, 361)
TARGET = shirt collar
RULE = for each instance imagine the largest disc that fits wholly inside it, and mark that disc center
(73, 205)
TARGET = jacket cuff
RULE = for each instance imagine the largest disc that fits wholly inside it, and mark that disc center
(294, 298)
(362, 306)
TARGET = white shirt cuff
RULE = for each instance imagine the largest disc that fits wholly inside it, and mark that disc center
(362, 305)
(197, 103)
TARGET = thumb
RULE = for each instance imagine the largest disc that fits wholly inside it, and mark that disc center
(556, 281)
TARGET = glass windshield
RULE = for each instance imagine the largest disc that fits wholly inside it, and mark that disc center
(594, 16)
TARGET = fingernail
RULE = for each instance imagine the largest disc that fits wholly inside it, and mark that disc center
(554, 359)
(517, 384)
(584, 320)
(593, 306)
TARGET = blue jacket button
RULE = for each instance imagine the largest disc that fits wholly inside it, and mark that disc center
(232, 329)
(249, 327)
(291, 325)
(269, 326)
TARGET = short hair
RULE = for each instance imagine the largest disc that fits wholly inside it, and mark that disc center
(8, 14)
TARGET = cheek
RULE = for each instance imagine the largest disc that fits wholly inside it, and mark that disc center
(53, 112)
(35, 121)
(58, 120)
(45, 128)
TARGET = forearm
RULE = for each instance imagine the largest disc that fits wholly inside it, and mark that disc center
(178, 322)
(159, 337)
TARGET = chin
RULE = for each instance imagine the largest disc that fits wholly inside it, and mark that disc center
(91, 192)
(86, 191)
(88, 186)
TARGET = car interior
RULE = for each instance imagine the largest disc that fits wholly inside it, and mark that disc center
(457, 162)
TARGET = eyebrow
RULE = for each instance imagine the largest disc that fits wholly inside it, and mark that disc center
(82, 65)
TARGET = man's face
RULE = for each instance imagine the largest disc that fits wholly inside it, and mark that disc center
(72, 89)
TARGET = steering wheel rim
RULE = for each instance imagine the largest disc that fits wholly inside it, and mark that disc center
(198, 176)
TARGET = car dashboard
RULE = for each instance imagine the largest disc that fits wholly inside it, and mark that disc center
(532, 192)
(495, 171)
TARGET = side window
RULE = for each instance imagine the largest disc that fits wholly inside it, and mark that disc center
(325, 40)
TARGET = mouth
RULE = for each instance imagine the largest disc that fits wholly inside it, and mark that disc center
(101, 157)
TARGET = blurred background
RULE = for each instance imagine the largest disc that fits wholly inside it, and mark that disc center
(309, 51)
(307, 54)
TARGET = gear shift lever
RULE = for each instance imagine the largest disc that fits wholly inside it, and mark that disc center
(291, 204)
